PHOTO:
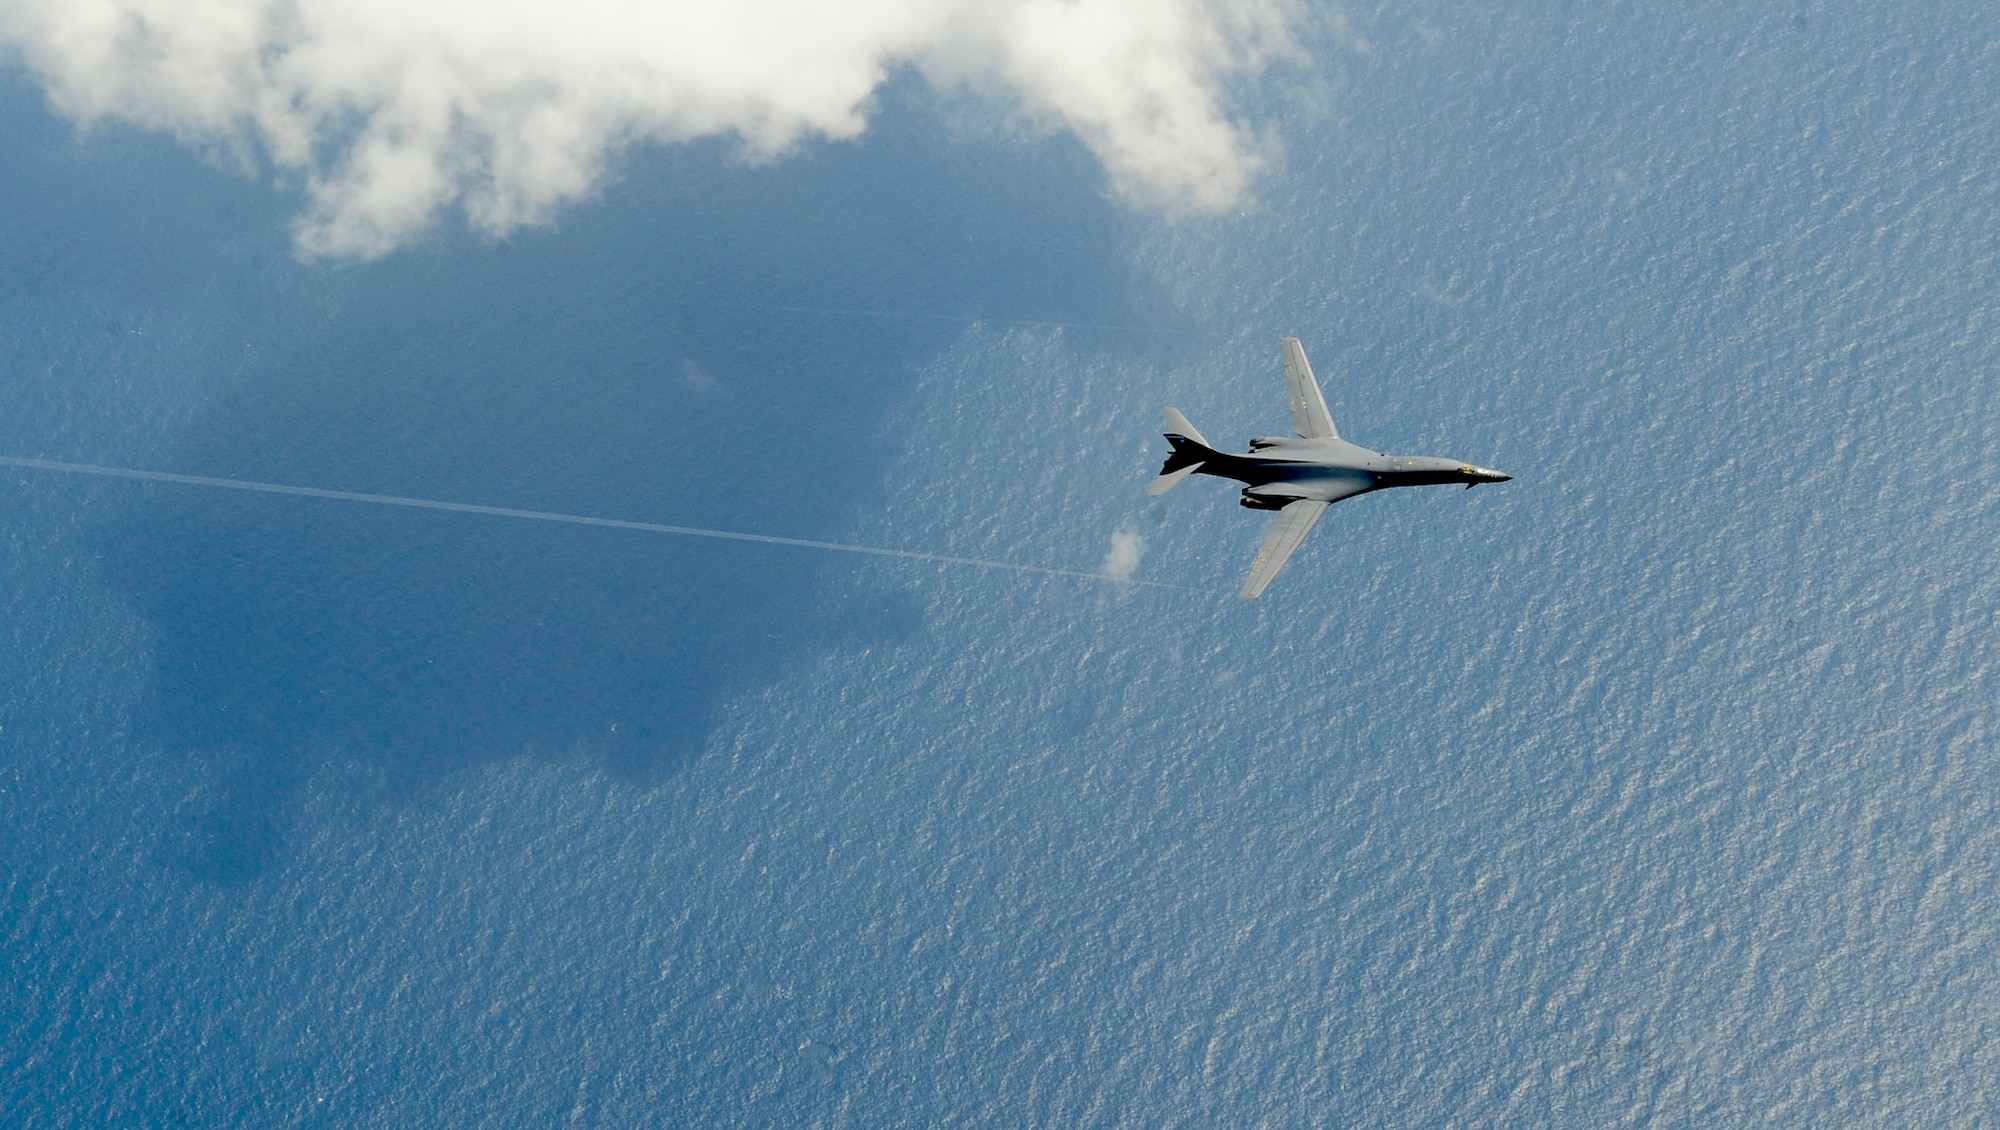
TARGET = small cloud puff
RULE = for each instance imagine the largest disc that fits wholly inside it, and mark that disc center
(1122, 560)
(393, 110)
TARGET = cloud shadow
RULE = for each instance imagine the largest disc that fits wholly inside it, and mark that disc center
(665, 354)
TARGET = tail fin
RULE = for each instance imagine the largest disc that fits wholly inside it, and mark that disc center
(1190, 452)
(1177, 425)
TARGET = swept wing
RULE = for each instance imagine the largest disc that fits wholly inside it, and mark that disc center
(1293, 523)
(1309, 415)
(1289, 530)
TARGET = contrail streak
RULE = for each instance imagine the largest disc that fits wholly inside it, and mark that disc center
(964, 319)
(571, 519)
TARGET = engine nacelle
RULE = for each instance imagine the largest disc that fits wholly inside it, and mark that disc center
(1262, 442)
(1253, 501)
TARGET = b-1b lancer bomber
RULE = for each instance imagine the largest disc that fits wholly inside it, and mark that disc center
(1301, 476)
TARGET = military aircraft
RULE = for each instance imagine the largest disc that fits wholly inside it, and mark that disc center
(1300, 477)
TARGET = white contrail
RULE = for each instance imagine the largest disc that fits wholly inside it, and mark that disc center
(969, 320)
(572, 519)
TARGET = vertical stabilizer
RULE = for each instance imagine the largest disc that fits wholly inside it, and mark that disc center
(1190, 452)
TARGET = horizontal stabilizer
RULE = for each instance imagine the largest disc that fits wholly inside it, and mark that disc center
(1167, 481)
(1190, 452)
(1177, 425)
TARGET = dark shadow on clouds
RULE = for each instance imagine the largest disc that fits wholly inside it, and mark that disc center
(632, 362)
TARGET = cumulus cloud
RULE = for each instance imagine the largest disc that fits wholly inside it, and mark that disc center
(391, 111)
(1127, 546)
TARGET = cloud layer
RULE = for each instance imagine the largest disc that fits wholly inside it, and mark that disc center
(394, 110)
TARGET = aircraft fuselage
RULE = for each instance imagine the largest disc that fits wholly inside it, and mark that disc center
(1300, 476)
(1281, 470)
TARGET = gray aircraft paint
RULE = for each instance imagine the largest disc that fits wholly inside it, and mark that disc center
(1301, 476)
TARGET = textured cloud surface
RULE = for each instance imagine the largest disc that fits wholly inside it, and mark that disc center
(392, 110)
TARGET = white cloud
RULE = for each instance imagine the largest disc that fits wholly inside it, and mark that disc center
(394, 110)
(1127, 546)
